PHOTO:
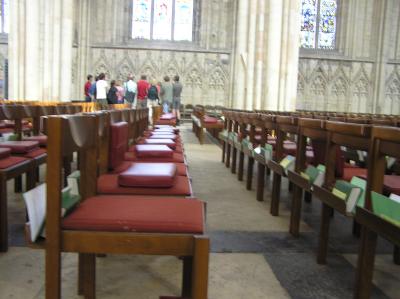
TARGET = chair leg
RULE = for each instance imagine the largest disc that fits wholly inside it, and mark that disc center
(31, 179)
(233, 164)
(223, 151)
(260, 181)
(18, 184)
(356, 229)
(241, 166)
(396, 255)
(250, 164)
(53, 273)
(228, 156)
(200, 268)
(3, 215)
(307, 196)
(89, 275)
(295, 213)
(81, 274)
(365, 264)
(187, 276)
(324, 234)
(276, 193)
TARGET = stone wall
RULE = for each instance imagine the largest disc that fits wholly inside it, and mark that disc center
(363, 74)
(203, 65)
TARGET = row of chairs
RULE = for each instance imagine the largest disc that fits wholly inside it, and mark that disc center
(136, 198)
(203, 119)
(332, 140)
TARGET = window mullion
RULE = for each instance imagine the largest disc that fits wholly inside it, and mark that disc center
(152, 20)
(173, 21)
(317, 24)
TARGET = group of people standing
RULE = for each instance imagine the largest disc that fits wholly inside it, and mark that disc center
(146, 94)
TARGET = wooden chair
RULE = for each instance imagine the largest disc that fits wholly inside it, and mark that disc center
(73, 133)
(385, 141)
(248, 121)
(351, 135)
(284, 125)
(313, 129)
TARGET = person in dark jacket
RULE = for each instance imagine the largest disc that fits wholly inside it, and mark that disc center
(152, 94)
(112, 97)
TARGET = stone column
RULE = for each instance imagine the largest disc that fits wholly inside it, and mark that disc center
(251, 45)
(40, 50)
(32, 51)
(239, 74)
(259, 59)
(273, 55)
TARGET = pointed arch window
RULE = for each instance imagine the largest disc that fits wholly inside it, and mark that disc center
(170, 20)
(4, 19)
(318, 24)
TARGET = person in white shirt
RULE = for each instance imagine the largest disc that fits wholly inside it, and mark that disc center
(130, 87)
(101, 90)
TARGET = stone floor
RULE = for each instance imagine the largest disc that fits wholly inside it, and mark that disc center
(252, 256)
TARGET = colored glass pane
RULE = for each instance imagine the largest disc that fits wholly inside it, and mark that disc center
(327, 24)
(183, 20)
(308, 23)
(141, 19)
(162, 22)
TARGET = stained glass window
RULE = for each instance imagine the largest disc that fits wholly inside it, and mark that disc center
(162, 19)
(4, 16)
(162, 22)
(183, 20)
(318, 24)
(141, 19)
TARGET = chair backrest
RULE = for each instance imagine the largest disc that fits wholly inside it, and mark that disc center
(68, 134)
(350, 135)
(284, 125)
(385, 141)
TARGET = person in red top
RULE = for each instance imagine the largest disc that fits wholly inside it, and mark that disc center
(142, 89)
(88, 84)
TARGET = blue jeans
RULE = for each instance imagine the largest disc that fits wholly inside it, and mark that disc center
(166, 108)
(88, 99)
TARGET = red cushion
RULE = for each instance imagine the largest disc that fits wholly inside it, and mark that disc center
(349, 172)
(167, 116)
(290, 148)
(166, 136)
(6, 130)
(391, 184)
(150, 151)
(181, 168)
(20, 147)
(11, 161)
(169, 122)
(118, 143)
(42, 139)
(210, 120)
(137, 214)
(169, 142)
(176, 157)
(4, 153)
(148, 175)
(36, 153)
(108, 184)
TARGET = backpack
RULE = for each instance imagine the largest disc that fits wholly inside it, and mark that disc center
(92, 89)
(152, 93)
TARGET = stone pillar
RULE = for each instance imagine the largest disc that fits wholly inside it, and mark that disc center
(41, 27)
(251, 45)
(259, 59)
(239, 74)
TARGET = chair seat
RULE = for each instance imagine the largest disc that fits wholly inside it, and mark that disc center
(176, 157)
(108, 184)
(391, 183)
(349, 172)
(36, 153)
(167, 116)
(20, 147)
(169, 142)
(42, 139)
(137, 214)
(153, 150)
(11, 161)
(166, 136)
(155, 175)
(210, 120)
(163, 127)
(169, 122)
(181, 168)
(5, 153)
